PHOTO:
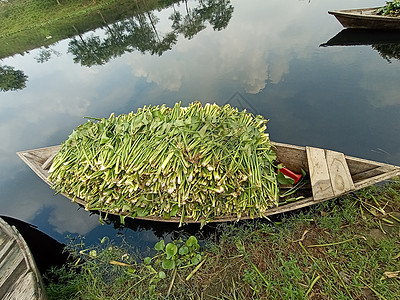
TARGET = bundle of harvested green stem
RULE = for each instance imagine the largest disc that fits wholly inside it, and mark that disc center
(194, 162)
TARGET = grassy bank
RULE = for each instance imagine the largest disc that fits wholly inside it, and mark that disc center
(30, 24)
(348, 248)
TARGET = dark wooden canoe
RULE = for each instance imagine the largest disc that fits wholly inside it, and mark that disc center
(365, 18)
(332, 174)
(19, 276)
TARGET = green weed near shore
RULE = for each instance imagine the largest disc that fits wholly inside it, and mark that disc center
(348, 248)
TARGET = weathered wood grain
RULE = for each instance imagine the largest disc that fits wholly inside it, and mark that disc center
(319, 174)
(339, 173)
(19, 276)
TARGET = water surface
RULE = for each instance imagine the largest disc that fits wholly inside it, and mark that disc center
(264, 56)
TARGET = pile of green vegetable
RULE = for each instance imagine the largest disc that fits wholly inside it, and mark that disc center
(391, 9)
(196, 162)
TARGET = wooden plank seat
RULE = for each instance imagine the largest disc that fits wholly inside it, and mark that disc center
(329, 173)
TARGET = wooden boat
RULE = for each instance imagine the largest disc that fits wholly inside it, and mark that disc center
(332, 174)
(19, 276)
(365, 18)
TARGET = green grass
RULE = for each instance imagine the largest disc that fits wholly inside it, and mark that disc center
(30, 24)
(348, 248)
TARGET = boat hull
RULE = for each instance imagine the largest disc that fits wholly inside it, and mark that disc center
(365, 18)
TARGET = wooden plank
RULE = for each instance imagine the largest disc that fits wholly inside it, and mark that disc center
(293, 157)
(49, 161)
(11, 268)
(372, 173)
(339, 173)
(319, 174)
(21, 288)
(370, 181)
(360, 165)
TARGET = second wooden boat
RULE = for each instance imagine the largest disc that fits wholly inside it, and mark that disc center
(367, 18)
(332, 174)
(19, 275)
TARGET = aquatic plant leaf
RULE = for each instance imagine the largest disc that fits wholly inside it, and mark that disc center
(168, 264)
(147, 260)
(192, 240)
(183, 250)
(171, 249)
(160, 245)
(196, 260)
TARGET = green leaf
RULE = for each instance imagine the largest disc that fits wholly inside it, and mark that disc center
(147, 260)
(142, 212)
(202, 131)
(168, 264)
(159, 246)
(104, 138)
(240, 246)
(174, 211)
(196, 260)
(161, 275)
(171, 250)
(122, 219)
(166, 216)
(283, 179)
(179, 123)
(183, 250)
(191, 241)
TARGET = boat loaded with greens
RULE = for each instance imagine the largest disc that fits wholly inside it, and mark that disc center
(382, 18)
(195, 164)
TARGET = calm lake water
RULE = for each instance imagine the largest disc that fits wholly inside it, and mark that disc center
(264, 56)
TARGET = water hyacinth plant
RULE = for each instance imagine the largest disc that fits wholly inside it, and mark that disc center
(182, 162)
(391, 9)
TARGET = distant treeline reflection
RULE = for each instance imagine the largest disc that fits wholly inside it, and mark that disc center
(139, 32)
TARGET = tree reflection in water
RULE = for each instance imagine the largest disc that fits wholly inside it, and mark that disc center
(11, 79)
(388, 51)
(139, 33)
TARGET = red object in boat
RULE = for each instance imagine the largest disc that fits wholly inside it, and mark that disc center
(288, 173)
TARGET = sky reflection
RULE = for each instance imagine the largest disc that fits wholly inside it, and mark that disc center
(343, 98)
